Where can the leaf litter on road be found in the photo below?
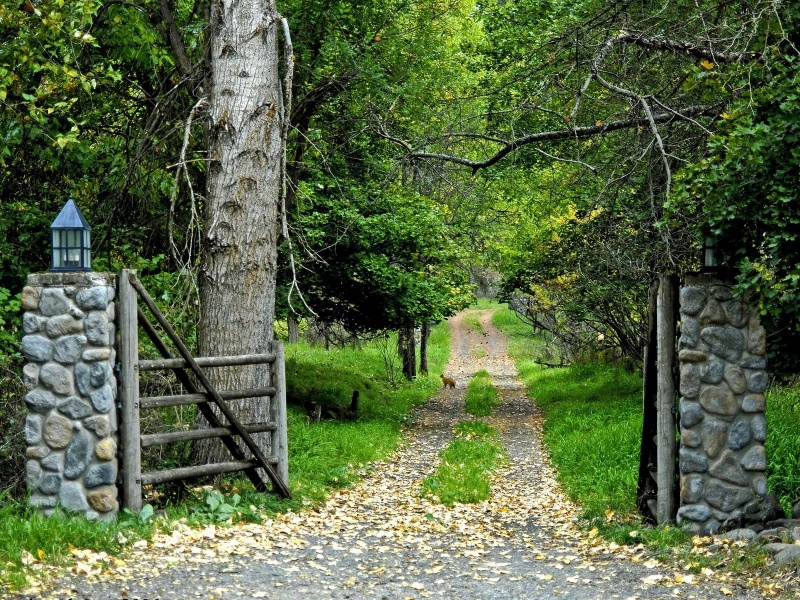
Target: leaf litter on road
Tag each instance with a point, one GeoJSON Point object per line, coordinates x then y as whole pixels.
{"type": "Point", "coordinates": [380, 537]}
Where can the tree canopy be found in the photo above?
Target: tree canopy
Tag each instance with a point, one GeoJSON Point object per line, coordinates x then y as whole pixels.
{"type": "Point", "coordinates": [576, 148]}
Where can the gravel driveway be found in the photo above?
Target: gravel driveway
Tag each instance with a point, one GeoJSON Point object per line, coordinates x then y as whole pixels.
{"type": "Point", "coordinates": [379, 539]}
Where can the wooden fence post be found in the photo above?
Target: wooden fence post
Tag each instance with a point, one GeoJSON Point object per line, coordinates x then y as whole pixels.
{"type": "Point", "coordinates": [129, 394]}
{"type": "Point", "coordinates": [666, 399]}
{"type": "Point", "coordinates": [280, 443]}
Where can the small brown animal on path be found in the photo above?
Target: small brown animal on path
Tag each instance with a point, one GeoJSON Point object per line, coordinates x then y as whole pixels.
{"type": "Point", "coordinates": [448, 381]}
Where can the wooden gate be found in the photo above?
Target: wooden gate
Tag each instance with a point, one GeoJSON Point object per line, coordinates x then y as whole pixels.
{"type": "Point", "coordinates": [200, 391]}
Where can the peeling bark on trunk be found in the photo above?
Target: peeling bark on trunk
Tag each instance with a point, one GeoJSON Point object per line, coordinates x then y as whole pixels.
{"type": "Point", "coordinates": [245, 150]}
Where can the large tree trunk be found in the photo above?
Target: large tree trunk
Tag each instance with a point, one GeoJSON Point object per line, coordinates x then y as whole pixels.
{"type": "Point", "coordinates": [245, 151]}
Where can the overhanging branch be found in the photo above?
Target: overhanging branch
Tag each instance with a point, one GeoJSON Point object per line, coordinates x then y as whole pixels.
{"type": "Point", "coordinates": [564, 134]}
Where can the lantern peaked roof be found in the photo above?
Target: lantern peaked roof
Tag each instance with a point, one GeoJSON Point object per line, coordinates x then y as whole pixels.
{"type": "Point", "coordinates": [70, 218]}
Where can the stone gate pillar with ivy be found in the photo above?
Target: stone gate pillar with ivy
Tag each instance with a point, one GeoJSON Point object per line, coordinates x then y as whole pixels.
{"type": "Point", "coordinates": [71, 427]}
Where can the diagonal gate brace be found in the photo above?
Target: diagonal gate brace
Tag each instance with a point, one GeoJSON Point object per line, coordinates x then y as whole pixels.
{"type": "Point", "coordinates": [280, 486]}
{"type": "Point", "coordinates": [210, 415]}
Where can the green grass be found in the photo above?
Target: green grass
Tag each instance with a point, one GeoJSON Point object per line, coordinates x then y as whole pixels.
{"type": "Point", "coordinates": [481, 395]}
{"type": "Point", "coordinates": [475, 428]}
{"type": "Point", "coordinates": [472, 322]}
{"type": "Point", "coordinates": [485, 304]}
{"type": "Point", "coordinates": [593, 429]}
{"type": "Point", "coordinates": [783, 444]}
{"type": "Point", "coordinates": [25, 535]}
{"type": "Point", "coordinates": [323, 456]}
{"type": "Point", "coordinates": [466, 465]}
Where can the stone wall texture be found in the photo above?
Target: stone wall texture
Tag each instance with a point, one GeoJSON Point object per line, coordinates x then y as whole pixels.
{"type": "Point", "coordinates": [70, 430]}
{"type": "Point", "coordinates": [723, 377]}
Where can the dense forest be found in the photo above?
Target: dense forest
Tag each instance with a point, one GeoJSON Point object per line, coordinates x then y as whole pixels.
{"type": "Point", "coordinates": [565, 151]}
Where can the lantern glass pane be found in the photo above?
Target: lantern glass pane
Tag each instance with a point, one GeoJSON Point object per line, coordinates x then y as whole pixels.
{"type": "Point", "coordinates": [74, 257]}
{"type": "Point", "coordinates": [709, 258]}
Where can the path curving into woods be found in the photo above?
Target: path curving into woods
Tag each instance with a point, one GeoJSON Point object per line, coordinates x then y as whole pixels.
{"type": "Point", "coordinates": [379, 539]}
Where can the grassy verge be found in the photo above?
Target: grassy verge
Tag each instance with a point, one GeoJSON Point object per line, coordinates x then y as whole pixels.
{"type": "Point", "coordinates": [464, 473]}
{"type": "Point", "coordinates": [481, 395]}
{"type": "Point", "coordinates": [783, 444]}
{"type": "Point", "coordinates": [322, 457]}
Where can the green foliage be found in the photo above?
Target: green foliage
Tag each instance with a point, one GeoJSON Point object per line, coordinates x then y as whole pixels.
{"type": "Point", "coordinates": [388, 260]}
{"type": "Point", "coordinates": [466, 464]}
{"type": "Point", "coordinates": [86, 113]}
{"type": "Point", "coordinates": [481, 396]}
{"type": "Point", "coordinates": [783, 444]}
{"type": "Point", "coordinates": [744, 193]}
{"type": "Point", "coordinates": [10, 330]}
{"type": "Point", "coordinates": [218, 508]}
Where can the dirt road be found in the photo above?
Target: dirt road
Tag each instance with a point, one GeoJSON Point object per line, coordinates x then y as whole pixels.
{"type": "Point", "coordinates": [379, 539]}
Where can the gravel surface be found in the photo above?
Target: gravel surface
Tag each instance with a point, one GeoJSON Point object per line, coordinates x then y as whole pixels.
{"type": "Point", "coordinates": [379, 539]}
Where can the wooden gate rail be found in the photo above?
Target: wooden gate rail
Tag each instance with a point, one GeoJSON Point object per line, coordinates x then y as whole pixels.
{"type": "Point", "coordinates": [184, 399]}
{"type": "Point", "coordinates": [210, 361]}
{"type": "Point", "coordinates": [276, 467]}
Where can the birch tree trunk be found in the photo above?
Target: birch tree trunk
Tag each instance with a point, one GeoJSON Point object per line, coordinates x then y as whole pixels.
{"type": "Point", "coordinates": [245, 150]}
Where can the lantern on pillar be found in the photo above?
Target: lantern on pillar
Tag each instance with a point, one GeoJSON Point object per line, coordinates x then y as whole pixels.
{"type": "Point", "coordinates": [709, 254]}
{"type": "Point", "coordinates": [71, 248]}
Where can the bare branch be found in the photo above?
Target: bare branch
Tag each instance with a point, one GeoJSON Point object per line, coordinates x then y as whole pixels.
{"type": "Point", "coordinates": [286, 115]}
{"type": "Point", "coordinates": [691, 49]}
{"type": "Point", "coordinates": [565, 134]}
{"type": "Point", "coordinates": [650, 119]}
{"type": "Point", "coordinates": [181, 166]}
{"type": "Point", "coordinates": [567, 160]}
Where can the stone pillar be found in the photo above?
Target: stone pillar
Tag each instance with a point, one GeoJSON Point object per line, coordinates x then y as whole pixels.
{"type": "Point", "coordinates": [723, 378]}
{"type": "Point", "coordinates": [71, 427]}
